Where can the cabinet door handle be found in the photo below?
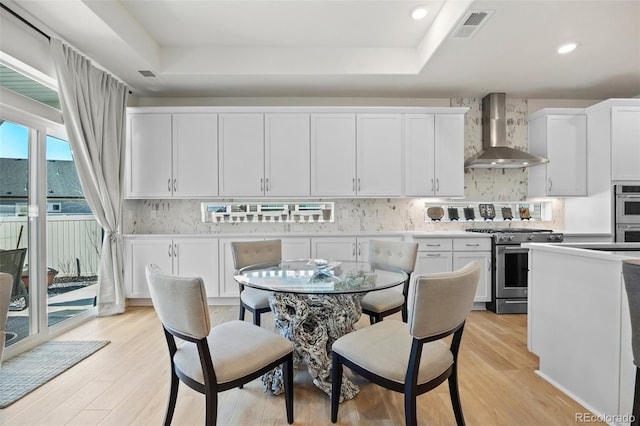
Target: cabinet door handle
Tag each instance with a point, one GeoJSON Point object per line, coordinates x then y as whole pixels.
{"type": "Point", "coordinates": [489, 265]}
{"type": "Point", "coordinates": [432, 245]}
{"type": "Point", "coordinates": [175, 185]}
{"type": "Point", "coordinates": [358, 184]}
{"type": "Point", "coordinates": [432, 185]}
{"type": "Point", "coordinates": [169, 185]}
{"type": "Point", "coordinates": [433, 254]}
{"type": "Point", "coordinates": [353, 252]}
{"type": "Point", "coordinates": [359, 249]}
{"type": "Point", "coordinates": [472, 245]}
{"type": "Point", "coordinates": [261, 185]}
{"type": "Point", "coordinates": [175, 250]}
{"type": "Point", "coordinates": [353, 184]}
{"type": "Point", "coordinates": [437, 185]}
{"type": "Point", "coordinates": [170, 252]}
{"type": "Point", "coordinates": [550, 185]}
{"type": "Point", "coordinates": [267, 184]}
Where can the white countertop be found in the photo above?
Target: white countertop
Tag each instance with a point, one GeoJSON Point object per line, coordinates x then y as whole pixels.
{"type": "Point", "coordinates": [610, 251]}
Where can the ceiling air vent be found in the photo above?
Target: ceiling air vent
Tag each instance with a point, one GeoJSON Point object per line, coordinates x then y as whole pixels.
{"type": "Point", "coordinates": [471, 23]}
{"type": "Point", "coordinates": [146, 73]}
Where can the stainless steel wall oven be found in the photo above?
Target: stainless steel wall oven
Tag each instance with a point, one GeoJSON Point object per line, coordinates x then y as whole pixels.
{"type": "Point", "coordinates": [627, 213]}
{"type": "Point", "coordinates": [509, 280]}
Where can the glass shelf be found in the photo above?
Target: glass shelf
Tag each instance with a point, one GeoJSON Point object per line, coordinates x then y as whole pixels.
{"type": "Point", "coordinates": [268, 212]}
{"type": "Point", "coordinates": [487, 212]}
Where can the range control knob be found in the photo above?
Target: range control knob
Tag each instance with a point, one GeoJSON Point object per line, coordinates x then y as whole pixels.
{"type": "Point", "coordinates": [510, 237]}
{"type": "Point", "coordinates": [551, 238]}
{"type": "Point", "coordinates": [530, 237]}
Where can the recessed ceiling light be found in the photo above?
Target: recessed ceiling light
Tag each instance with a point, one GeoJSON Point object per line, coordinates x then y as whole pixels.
{"type": "Point", "coordinates": [566, 48]}
{"type": "Point", "coordinates": [419, 13]}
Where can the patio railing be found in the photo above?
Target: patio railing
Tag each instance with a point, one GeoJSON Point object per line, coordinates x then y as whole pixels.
{"type": "Point", "coordinates": [72, 242]}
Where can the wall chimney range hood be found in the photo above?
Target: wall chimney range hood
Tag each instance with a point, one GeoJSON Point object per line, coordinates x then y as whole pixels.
{"type": "Point", "coordinates": [495, 153]}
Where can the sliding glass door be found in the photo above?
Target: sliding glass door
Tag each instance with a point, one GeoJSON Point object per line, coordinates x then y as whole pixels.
{"type": "Point", "coordinates": [74, 238]}
{"type": "Point", "coordinates": [43, 212]}
{"type": "Point", "coordinates": [14, 226]}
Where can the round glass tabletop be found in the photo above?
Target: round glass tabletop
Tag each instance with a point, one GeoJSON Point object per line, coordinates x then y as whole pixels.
{"type": "Point", "coordinates": [317, 276]}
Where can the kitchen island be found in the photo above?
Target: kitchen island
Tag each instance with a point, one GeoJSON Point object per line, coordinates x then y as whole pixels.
{"type": "Point", "coordinates": [579, 326]}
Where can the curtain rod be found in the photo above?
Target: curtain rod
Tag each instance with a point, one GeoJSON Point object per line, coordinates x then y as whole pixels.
{"type": "Point", "coordinates": [29, 24]}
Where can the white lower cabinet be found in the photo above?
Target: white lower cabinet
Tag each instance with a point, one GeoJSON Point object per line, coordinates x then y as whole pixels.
{"type": "Point", "coordinates": [449, 254]}
{"type": "Point", "coordinates": [187, 257]}
{"type": "Point", "coordinates": [344, 248]}
{"type": "Point", "coordinates": [292, 248]}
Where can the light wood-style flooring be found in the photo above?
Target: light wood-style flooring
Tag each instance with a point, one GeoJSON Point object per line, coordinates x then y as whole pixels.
{"type": "Point", "coordinates": [126, 383]}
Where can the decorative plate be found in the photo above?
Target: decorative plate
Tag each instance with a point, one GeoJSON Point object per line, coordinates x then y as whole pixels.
{"type": "Point", "coordinates": [507, 214]}
{"type": "Point", "coordinates": [435, 213]}
{"type": "Point", "coordinates": [524, 213]}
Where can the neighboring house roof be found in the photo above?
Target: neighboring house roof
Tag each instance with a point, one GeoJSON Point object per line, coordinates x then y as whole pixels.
{"type": "Point", "coordinates": [62, 179]}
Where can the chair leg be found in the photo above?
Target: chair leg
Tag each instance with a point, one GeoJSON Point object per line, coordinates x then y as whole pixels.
{"type": "Point", "coordinates": [336, 386]}
{"type": "Point", "coordinates": [173, 397]}
{"type": "Point", "coordinates": [405, 315]}
{"type": "Point", "coordinates": [636, 401]}
{"type": "Point", "coordinates": [287, 376]}
{"type": "Point", "coordinates": [410, 410]}
{"type": "Point", "coordinates": [372, 320]}
{"type": "Point", "coordinates": [211, 407]}
{"type": "Point", "coordinates": [242, 311]}
{"type": "Point", "coordinates": [455, 396]}
{"type": "Point", "coordinates": [256, 318]}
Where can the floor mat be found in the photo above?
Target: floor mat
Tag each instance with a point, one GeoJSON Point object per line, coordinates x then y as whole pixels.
{"type": "Point", "coordinates": [28, 371]}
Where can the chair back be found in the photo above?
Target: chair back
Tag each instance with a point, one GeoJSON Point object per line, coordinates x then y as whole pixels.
{"type": "Point", "coordinates": [6, 283]}
{"type": "Point", "coordinates": [247, 253]}
{"type": "Point", "coordinates": [12, 262]}
{"type": "Point", "coordinates": [180, 302]}
{"type": "Point", "coordinates": [398, 254]}
{"type": "Point", "coordinates": [439, 303]}
{"type": "Point", "coordinates": [631, 273]}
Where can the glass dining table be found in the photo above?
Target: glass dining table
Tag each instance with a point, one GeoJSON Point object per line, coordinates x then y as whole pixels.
{"type": "Point", "coordinates": [314, 302]}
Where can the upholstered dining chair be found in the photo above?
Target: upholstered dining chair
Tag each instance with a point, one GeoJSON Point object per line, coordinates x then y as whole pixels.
{"type": "Point", "coordinates": [631, 274]}
{"type": "Point", "coordinates": [247, 253]}
{"type": "Point", "coordinates": [6, 284]}
{"type": "Point", "coordinates": [401, 255]}
{"type": "Point", "coordinates": [212, 360]}
{"type": "Point", "coordinates": [412, 358]}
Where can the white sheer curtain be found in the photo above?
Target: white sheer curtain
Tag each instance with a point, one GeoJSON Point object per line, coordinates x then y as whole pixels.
{"type": "Point", "coordinates": [94, 111]}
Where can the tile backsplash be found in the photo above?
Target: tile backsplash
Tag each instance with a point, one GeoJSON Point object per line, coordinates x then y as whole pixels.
{"type": "Point", "coordinates": [368, 215]}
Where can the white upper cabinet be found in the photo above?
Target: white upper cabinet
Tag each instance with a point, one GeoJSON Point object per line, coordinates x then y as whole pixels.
{"type": "Point", "coordinates": [419, 155]}
{"type": "Point", "coordinates": [241, 165]}
{"type": "Point", "coordinates": [434, 155]}
{"type": "Point", "coordinates": [264, 155]}
{"type": "Point", "coordinates": [195, 155]}
{"type": "Point", "coordinates": [149, 156]}
{"type": "Point", "coordinates": [356, 154]}
{"type": "Point", "coordinates": [287, 158]}
{"type": "Point", "coordinates": [449, 155]}
{"type": "Point", "coordinates": [172, 155]}
{"type": "Point", "coordinates": [379, 150]}
{"type": "Point", "coordinates": [625, 143]}
{"type": "Point", "coordinates": [560, 136]}
{"type": "Point", "coordinates": [333, 155]}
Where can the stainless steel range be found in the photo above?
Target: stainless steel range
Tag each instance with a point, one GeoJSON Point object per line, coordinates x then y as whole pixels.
{"type": "Point", "coordinates": [510, 262]}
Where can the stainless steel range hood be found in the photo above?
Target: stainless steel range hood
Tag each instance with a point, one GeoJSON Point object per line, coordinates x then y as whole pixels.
{"type": "Point", "coordinates": [495, 153]}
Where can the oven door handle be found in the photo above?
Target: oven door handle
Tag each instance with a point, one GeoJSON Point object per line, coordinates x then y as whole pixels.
{"type": "Point", "coordinates": [511, 250]}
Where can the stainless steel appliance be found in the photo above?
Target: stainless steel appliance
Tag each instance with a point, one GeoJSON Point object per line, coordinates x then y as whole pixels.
{"type": "Point", "coordinates": [509, 278]}
{"type": "Point", "coordinates": [627, 213]}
